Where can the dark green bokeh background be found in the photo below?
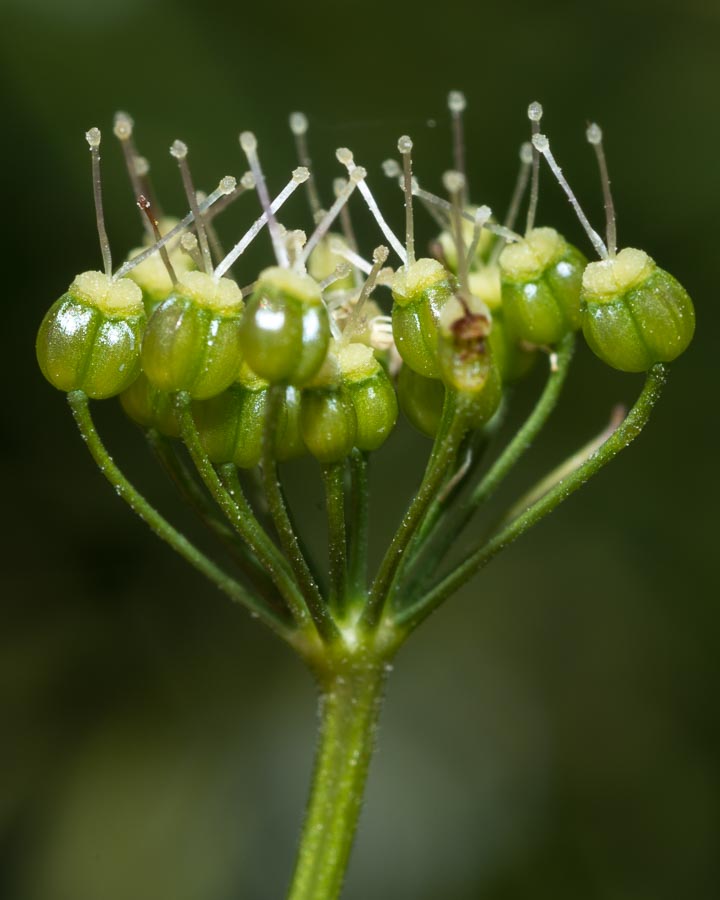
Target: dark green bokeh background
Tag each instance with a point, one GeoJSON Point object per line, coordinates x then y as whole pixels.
{"type": "Point", "coordinates": [553, 732]}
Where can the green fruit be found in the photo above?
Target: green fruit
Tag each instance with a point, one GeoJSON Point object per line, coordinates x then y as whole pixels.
{"type": "Point", "coordinates": [372, 395]}
{"type": "Point", "coordinates": [289, 443]}
{"type": "Point", "coordinates": [466, 362]}
{"type": "Point", "coordinates": [192, 340]}
{"type": "Point", "coordinates": [90, 338]}
{"type": "Point", "coordinates": [514, 360]}
{"type": "Point", "coordinates": [231, 425]}
{"type": "Point", "coordinates": [634, 313]}
{"type": "Point", "coordinates": [286, 329]}
{"type": "Point", "coordinates": [540, 279]}
{"type": "Point", "coordinates": [150, 407]}
{"type": "Point", "coordinates": [327, 415]}
{"type": "Point", "coordinates": [421, 400]}
{"type": "Point", "coordinates": [420, 292]}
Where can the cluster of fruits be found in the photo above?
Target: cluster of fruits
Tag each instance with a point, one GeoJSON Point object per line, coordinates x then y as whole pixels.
{"type": "Point", "coordinates": [467, 320]}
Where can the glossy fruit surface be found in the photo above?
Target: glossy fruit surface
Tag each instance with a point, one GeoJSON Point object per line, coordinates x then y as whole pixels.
{"type": "Point", "coordinates": [192, 340]}
{"type": "Point", "coordinates": [231, 424]}
{"type": "Point", "coordinates": [514, 358]}
{"type": "Point", "coordinates": [286, 330]}
{"type": "Point", "coordinates": [372, 395]}
{"type": "Point", "coordinates": [421, 400]}
{"type": "Point", "coordinates": [90, 338]}
{"type": "Point", "coordinates": [635, 314]}
{"type": "Point", "coordinates": [150, 407]}
{"type": "Point", "coordinates": [327, 415]}
{"type": "Point", "coordinates": [420, 292]}
{"type": "Point", "coordinates": [540, 279]}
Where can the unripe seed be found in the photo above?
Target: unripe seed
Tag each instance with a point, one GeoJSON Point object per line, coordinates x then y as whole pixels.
{"type": "Point", "coordinates": [466, 362]}
{"type": "Point", "coordinates": [634, 313]}
{"type": "Point", "coordinates": [231, 425]}
{"type": "Point", "coordinates": [90, 338]}
{"type": "Point", "coordinates": [327, 415]}
{"type": "Point", "coordinates": [285, 331]}
{"type": "Point", "coordinates": [328, 422]}
{"type": "Point", "coordinates": [372, 394]}
{"type": "Point", "coordinates": [289, 442]}
{"type": "Point", "coordinates": [192, 341]}
{"type": "Point", "coordinates": [421, 400]}
{"type": "Point", "coordinates": [514, 361]}
{"type": "Point", "coordinates": [541, 277]}
{"type": "Point", "coordinates": [150, 407]}
{"type": "Point", "coordinates": [420, 291]}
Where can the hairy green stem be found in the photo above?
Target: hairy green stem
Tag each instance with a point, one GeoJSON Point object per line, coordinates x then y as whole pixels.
{"type": "Point", "coordinates": [422, 557]}
{"type": "Point", "coordinates": [334, 478]}
{"type": "Point", "coordinates": [81, 411]}
{"type": "Point", "coordinates": [282, 522]}
{"type": "Point", "coordinates": [450, 434]}
{"type": "Point", "coordinates": [358, 524]}
{"type": "Point", "coordinates": [625, 433]}
{"type": "Point", "coordinates": [241, 517]}
{"type": "Point", "coordinates": [448, 527]}
{"type": "Point", "coordinates": [350, 701]}
{"type": "Point", "coordinates": [166, 452]}
{"type": "Point", "coordinates": [530, 429]}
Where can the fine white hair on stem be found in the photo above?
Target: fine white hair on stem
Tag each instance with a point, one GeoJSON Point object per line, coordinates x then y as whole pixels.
{"type": "Point", "coordinates": [299, 176]}
{"type": "Point", "coordinates": [542, 145]}
{"type": "Point", "coordinates": [594, 136]}
{"type": "Point", "coordinates": [345, 157]}
{"type": "Point", "coordinates": [248, 142]}
{"type": "Point", "coordinates": [357, 175]}
{"type": "Point", "coordinates": [570, 465]}
{"type": "Point", "coordinates": [405, 146]}
{"type": "Point", "coordinates": [180, 151]}
{"type": "Point", "coordinates": [354, 320]}
{"type": "Point", "coordinates": [299, 128]}
{"type": "Point", "coordinates": [456, 104]}
{"type": "Point", "coordinates": [93, 137]}
{"type": "Point", "coordinates": [535, 114]}
{"type": "Point", "coordinates": [226, 186]}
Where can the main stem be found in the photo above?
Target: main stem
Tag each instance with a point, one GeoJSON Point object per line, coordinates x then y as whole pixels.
{"type": "Point", "coordinates": [350, 701]}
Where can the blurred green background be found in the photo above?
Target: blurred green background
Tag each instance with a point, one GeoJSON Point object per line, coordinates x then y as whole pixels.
{"type": "Point", "coordinates": [551, 733]}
